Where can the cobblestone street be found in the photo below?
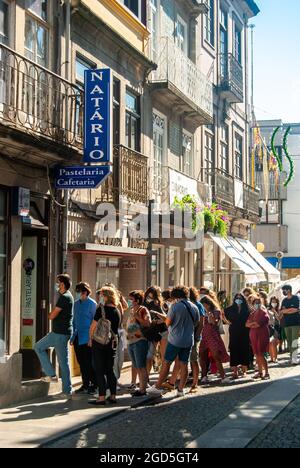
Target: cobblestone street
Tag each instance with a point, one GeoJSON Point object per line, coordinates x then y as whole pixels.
{"type": "Point", "coordinates": [171, 422]}
{"type": "Point", "coordinates": [283, 432]}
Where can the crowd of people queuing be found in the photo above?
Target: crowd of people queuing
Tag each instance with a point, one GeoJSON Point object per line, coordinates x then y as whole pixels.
{"type": "Point", "coordinates": [197, 330]}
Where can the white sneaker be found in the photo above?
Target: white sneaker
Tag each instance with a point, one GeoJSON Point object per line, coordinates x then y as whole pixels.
{"type": "Point", "coordinates": [226, 381]}
{"type": "Point", "coordinates": [48, 379]}
{"type": "Point", "coordinates": [154, 391]}
{"type": "Point", "coordinates": [295, 362]}
{"type": "Point", "coordinates": [180, 393]}
{"type": "Point", "coordinates": [205, 380]}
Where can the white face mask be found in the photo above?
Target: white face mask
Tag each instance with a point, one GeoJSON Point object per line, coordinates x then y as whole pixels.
{"type": "Point", "coordinates": [274, 305]}
{"type": "Point", "coordinates": [102, 301]}
{"type": "Point", "coordinates": [57, 288]}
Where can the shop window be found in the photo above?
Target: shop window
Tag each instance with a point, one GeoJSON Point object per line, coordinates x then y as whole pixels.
{"type": "Point", "coordinates": [108, 271]}
{"type": "Point", "coordinates": [208, 264]}
{"type": "Point", "coordinates": [156, 264]}
{"type": "Point", "coordinates": [173, 259]}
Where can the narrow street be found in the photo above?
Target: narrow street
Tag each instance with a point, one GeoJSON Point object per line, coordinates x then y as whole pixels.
{"type": "Point", "coordinates": [170, 422]}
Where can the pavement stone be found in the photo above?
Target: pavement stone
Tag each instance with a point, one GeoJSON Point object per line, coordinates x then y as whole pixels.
{"type": "Point", "coordinates": [282, 432]}
{"type": "Point", "coordinates": [172, 422]}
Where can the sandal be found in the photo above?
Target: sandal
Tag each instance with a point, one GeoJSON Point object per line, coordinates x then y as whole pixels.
{"type": "Point", "coordinates": [194, 389]}
{"type": "Point", "coordinates": [266, 377]}
{"type": "Point", "coordinates": [257, 376]}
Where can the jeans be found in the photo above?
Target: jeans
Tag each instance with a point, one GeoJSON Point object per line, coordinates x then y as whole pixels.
{"type": "Point", "coordinates": [60, 344]}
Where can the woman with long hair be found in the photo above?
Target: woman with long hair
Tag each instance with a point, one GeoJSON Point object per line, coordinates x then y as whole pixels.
{"type": "Point", "coordinates": [239, 342]}
{"type": "Point", "coordinates": [154, 303]}
{"type": "Point", "coordinates": [138, 344]}
{"type": "Point", "coordinates": [211, 340]}
{"type": "Point", "coordinates": [104, 355]}
{"type": "Point", "coordinates": [276, 334]}
{"type": "Point", "coordinates": [258, 323]}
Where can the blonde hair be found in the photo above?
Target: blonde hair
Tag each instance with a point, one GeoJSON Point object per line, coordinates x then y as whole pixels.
{"type": "Point", "coordinates": [111, 295]}
{"type": "Point", "coordinates": [254, 297]}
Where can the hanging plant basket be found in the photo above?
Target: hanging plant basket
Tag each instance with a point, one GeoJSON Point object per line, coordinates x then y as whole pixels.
{"type": "Point", "coordinates": [211, 217]}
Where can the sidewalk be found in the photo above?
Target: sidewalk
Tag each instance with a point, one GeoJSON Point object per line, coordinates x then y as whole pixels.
{"type": "Point", "coordinates": [241, 427]}
{"type": "Point", "coordinates": [32, 424]}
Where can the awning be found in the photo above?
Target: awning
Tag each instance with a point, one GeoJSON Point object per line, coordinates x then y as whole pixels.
{"type": "Point", "coordinates": [273, 274]}
{"type": "Point", "coordinates": [288, 263]}
{"type": "Point", "coordinates": [230, 246]}
{"type": "Point", "coordinates": [106, 249]}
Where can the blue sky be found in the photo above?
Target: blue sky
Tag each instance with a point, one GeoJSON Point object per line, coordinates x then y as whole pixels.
{"type": "Point", "coordinates": [277, 60]}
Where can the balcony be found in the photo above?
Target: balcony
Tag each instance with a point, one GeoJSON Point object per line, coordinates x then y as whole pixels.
{"type": "Point", "coordinates": [233, 194]}
{"type": "Point", "coordinates": [181, 84]}
{"type": "Point", "coordinates": [231, 80]}
{"type": "Point", "coordinates": [251, 200]}
{"type": "Point", "coordinates": [129, 179]}
{"type": "Point", "coordinates": [223, 188]}
{"type": "Point", "coordinates": [277, 190]}
{"type": "Point", "coordinates": [273, 236]}
{"type": "Point", "coordinates": [35, 101]}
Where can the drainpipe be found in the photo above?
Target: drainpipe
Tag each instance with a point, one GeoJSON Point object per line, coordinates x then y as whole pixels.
{"type": "Point", "coordinates": [65, 233]}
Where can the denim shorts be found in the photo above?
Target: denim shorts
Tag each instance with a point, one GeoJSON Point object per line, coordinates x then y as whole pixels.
{"type": "Point", "coordinates": [138, 354]}
{"type": "Point", "coordinates": [172, 352]}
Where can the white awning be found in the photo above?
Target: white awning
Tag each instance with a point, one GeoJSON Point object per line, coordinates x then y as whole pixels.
{"type": "Point", "coordinates": [272, 273]}
{"type": "Point", "coordinates": [230, 246]}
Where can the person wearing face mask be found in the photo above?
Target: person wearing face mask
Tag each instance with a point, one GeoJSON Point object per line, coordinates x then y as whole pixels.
{"type": "Point", "coordinates": [61, 317]}
{"type": "Point", "coordinates": [84, 312]}
{"type": "Point", "coordinates": [258, 323]}
{"type": "Point", "coordinates": [275, 328]}
{"type": "Point", "coordinates": [239, 342]}
{"type": "Point", "coordinates": [290, 308]}
{"type": "Point", "coordinates": [154, 303]}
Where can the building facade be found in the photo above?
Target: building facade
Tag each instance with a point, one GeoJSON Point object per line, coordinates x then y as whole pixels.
{"type": "Point", "coordinates": [279, 227]}
{"type": "Point", "coordinates": [180, 127]}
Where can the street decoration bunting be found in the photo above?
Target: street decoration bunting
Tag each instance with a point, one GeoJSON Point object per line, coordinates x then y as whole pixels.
{"type": "Point", "coordinates": [286, 151]}
{"type": "Point", "coordinates": [291, 161]}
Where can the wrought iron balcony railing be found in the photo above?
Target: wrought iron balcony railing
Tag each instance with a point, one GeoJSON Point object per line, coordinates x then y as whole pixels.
{"type": "Point", "coordinates": [224, 192]}
{"type": "Point", "coordinates": [223, 188]}
{"type": "Point", "coordinates": [231, 78]}
{"type": "Point", "coordinates": [175, 67]}
{"type": "Point", "coordinates": [35, 100]}
{"type": "Point", "coordinates": [129, 179]}
{"type": "Point", "coordinates": [251, 199]}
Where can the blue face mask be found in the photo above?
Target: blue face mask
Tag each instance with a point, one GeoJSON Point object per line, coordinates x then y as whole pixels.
{"type": "Point", "coordinates": [239, 301]}
{"type": "Point", "coordinates": [256, 306]}
{"type": "Point", "coordinates": [129, 302]}
{"type": "Point", "coordinates": [77, 296]}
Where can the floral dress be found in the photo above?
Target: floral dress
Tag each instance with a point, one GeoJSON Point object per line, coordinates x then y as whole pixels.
{"type": "Point", "coordinates": [211, 339]}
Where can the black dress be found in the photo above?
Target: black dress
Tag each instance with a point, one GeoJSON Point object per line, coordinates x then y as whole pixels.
{"type": "Point", "coordinates": [239, 340]}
